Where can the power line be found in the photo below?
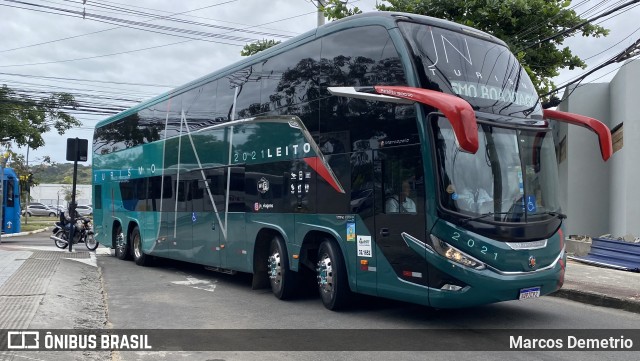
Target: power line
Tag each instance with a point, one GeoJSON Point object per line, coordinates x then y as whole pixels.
{"type": "Point", "coordinates": [171, 14]}
{"type": "Point", "coordinates": [144, 26]}
{"type": "Point", "coordinates": [632, 51]}
{"type": "Point", "coordinates": [95, 56]}
{"type": "Point", "coordinates": [573, 28]}
{"type": "Point", "coordinates": [612, 46]}
{"type": "Point", "coordinates": [532, 29]}
{"type": "Point", "coordinates": [89, 80]}
{"type": "Point", "coordinates": [202, 17]}
{"type": "Point", "coordinates": [190, 22]}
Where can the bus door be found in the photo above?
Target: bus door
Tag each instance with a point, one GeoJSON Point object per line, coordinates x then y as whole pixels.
{"type": "Point", "coordinates": [363, 188]}
{"type": "Point", "coordinates": [399, 216]}
{"type": "Point", "coordinates": [207, 225]}
{"type": "Point", "coordinates": [183, 218]}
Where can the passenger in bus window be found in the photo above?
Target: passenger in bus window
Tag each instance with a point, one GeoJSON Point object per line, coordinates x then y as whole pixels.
{"type": "Point", "coordinates": [401, 203]}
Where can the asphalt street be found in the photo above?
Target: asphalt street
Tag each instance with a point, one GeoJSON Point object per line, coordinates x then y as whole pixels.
{"type": "Point", "coordinates": [176, 295]}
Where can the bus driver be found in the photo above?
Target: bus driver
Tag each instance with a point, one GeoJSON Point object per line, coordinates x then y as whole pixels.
{"type": "Point", "coordinates": [401, 203]}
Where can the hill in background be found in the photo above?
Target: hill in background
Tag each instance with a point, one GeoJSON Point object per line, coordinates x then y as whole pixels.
{"type": "Point", "coordinates": [60, 173]}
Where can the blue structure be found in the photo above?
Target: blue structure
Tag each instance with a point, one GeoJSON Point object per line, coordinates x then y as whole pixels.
{"type": "Point", "coordinates": [10, 202]}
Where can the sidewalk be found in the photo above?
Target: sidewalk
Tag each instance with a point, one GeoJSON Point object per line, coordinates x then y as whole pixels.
{"type": "Point", "coordinates": [601, 286]}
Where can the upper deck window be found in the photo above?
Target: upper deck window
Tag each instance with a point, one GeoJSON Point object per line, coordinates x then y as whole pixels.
{"type": "Point", "coordinates": [482, 72]}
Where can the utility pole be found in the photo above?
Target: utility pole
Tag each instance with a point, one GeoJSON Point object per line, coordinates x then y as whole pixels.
{"type": "Point", "coordinates": [76, 151]}
{"type": "Point", "coordinates": [28, 182]}
{"type": "Point", "coordinates": [321, 3]}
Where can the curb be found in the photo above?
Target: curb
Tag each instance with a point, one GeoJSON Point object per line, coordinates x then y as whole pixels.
{"type": "Point", "coordinates": [597, 299]}
{"type": "Point", "coordinates": [23, 233]}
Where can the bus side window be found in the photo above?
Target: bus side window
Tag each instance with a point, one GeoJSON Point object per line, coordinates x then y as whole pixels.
{"type": "Point", "coordinates": [97, 195]}
{"type": "Point", "coordinates": [402, 182]}
{"type": "Point", "coordinates": [10, 194]}
{"type": "Point", "coordinates": [217, 180]}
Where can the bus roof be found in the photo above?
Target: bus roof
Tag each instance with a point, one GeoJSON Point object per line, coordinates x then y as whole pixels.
{"type": "Point", "coordinates": [9, 172]}
{"type": "Point", "coordinates": [383, 18]}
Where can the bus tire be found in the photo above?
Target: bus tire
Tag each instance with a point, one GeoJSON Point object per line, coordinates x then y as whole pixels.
{"type": "Point", "coordinates": [139, 257]}
{"type": "Point", "coordinates": [332, 277]}
{"type": "Point", "coordinates": [120, 243]}
{"type": "Point", "coordinates": [281, 278]}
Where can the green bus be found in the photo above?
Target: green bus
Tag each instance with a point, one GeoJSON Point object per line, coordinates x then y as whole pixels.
{"type": "Point", "coordinates": [386, 154]}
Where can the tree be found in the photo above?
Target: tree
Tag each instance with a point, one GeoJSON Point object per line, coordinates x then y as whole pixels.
{"type": "Point", "coordinates": [337, 9]}
{"type": "Point", "coordinates": [24, 119]}
{"type": "Point", "coordinates": [258, 46]}
{"type": "Point", "coordinates": [520, 23]}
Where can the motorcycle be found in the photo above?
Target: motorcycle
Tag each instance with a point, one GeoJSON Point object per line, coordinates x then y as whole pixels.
{"type": "Point", "coordinates": [83, 233]}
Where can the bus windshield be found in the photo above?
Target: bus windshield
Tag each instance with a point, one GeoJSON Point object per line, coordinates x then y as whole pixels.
{"type": "Point", "coordinates": [513, 176]}
{"type": "Point", "coordinates": [482, 72]}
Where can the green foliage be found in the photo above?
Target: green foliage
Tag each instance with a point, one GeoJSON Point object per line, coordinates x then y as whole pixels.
{"type": "Point", "coordinates": [336, 9]}
{"type": "Point", "coordinates": [60, 173]}
{"type": "Point", "coordinates": [258, 46]}
{"type": "Point", "coordinates": [520, 23]}
{"type": "Point", "coordinates": [24, 120]}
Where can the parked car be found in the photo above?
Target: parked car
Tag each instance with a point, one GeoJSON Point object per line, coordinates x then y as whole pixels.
{"type": "Point", "coordinates": [84, 210]}
{"type": "Point", "coordinates": [60, 208]}
{"type": "Point", "coordinates": [39, 209]}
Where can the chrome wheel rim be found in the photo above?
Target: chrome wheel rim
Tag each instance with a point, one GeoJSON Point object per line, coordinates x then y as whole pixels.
{"type": "Point", "coordinates": [275, 269]}
{"type": "Point", "coordinates": [120, 243]}
{"type": "Point", "coordinates": [136, 247]}
{"type": "Point", "coordinates": [325, 274]}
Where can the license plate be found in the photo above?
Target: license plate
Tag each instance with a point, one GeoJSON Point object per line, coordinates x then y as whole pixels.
{"type": "Point", "coordinates": [531, 292]}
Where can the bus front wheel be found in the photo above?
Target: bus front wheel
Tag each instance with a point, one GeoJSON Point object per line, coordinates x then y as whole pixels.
{"type": "Point", "coordinates": [332, 276]}
{"type": "Point", "coordinates": [281, 278]}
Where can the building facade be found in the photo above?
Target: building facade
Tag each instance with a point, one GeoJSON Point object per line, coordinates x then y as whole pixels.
{"type": "Point", "coordinates": [53, 194]}
{"type": "Point", "coordinates": [602, 197]}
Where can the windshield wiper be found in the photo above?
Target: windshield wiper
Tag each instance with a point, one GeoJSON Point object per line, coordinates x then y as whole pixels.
{"type": "Point", "coordinates": [489, 214]}
{"type": "Point", "coordinates": [553, 214]}
{"type": "Point", "coordinates": [483, 215]}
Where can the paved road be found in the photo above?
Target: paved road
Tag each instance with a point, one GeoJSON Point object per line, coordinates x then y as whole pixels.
{"type": "Point", "coordinates": [175, 295]}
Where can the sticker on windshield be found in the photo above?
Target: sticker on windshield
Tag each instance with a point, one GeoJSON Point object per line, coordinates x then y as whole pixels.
{"type": "Point", "coordinates": [454, 196]}
{"type": "Point", "coordinates": [531, 204]}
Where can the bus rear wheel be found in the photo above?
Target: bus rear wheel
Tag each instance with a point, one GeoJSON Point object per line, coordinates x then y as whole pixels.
{"type": "Point", "coordinates": [332, 277]}
{"type": "Point", "coordinates": [139, 257]}
{"type": "Point", "coordinates": [120, 243]}
{"type": "Point", "coordinates": [281, 278]}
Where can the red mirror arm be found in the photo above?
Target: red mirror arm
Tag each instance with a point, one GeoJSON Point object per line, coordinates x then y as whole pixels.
{"type": "Point", "coordinates": [594, 125]}
{"type": "Point", "coordinates": [457, 110]}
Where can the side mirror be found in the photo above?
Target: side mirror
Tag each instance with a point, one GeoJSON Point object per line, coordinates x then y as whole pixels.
{"type": "Point", "coordinates": [457, 110]}
{"type": "Point", "coordinates": [594, 125]}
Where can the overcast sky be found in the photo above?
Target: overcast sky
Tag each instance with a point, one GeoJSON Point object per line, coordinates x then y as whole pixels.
{"type": "Point", "coordinates": [146, 73]}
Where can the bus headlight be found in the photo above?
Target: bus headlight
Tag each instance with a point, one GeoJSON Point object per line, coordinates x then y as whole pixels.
{"type": "Point", "coordinates": [450, 252]}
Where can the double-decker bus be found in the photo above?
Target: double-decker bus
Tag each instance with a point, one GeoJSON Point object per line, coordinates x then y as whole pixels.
{"type": "Point", "coordinates": [386, 154]}
{"type": "Point", "coordinates": [10, 201]}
